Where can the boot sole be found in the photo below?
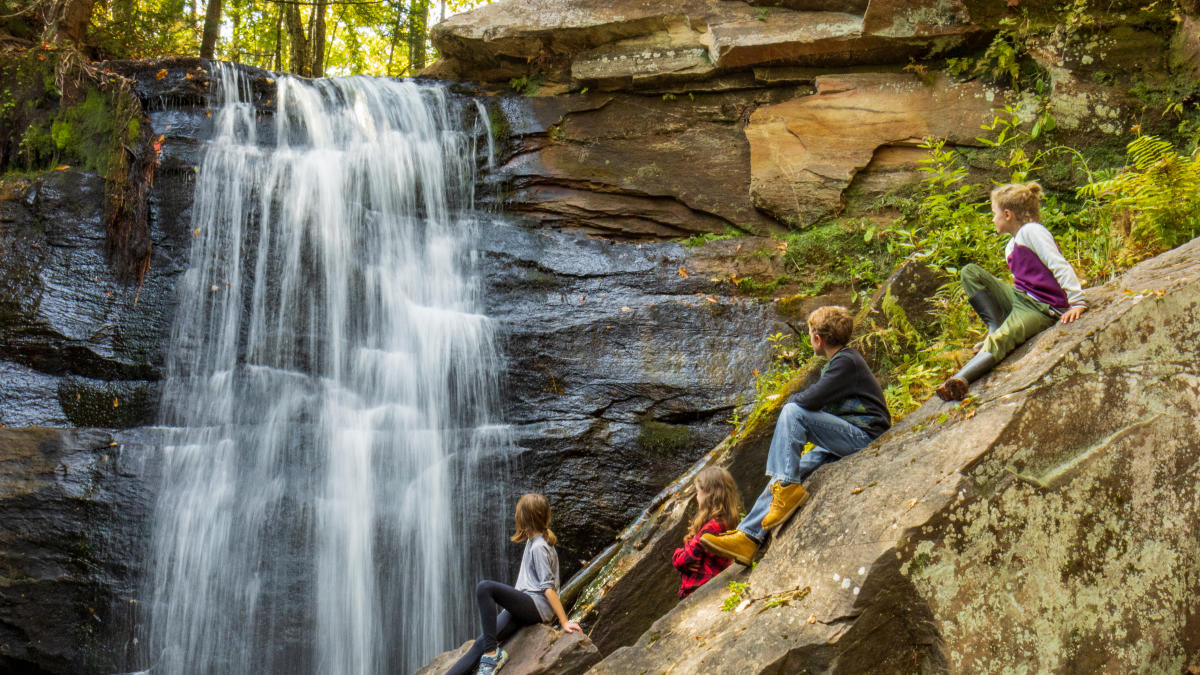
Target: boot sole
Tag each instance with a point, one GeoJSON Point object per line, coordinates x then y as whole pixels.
{"type": "Point", "coordinates": [787, 516]}
{"type": "Point", "coordinates": [737, 557]}
{"type": "Point", "coordinates": [953, 390]}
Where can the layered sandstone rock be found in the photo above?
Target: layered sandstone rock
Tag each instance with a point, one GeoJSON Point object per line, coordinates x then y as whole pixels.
{"type": "Point", "coordinates": [1050, 523]}
{"type": "Point", "coordinates": [806, 151]}
{"type": "Point", "coordinates": [631, 42]}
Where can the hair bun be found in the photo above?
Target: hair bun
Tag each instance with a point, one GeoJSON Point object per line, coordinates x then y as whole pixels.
{"type": "Point", "coordinates": [1034, 189]}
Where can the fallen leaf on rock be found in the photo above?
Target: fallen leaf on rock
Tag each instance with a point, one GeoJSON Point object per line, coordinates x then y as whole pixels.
{"type": "Point", "coordinates": [710, 298]}
{"type": "Point", "coordinates": [62, 167]}
{"type": "Point", "coordinates": [160, 74]}
{"type": "Point", "coordinates": [625, 309]}
{"type": "Point", "coordinates": [812, 618]}
{"type": "Point", "coordinates": [683, 273]}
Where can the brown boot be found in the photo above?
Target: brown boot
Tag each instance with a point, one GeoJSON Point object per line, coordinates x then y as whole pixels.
{"type": "Point", "coordinates": [732, 544]}
{"type": "Point", "coordinates": [785, 500]}
{"type": "Point", "coordinates": [953, 389]}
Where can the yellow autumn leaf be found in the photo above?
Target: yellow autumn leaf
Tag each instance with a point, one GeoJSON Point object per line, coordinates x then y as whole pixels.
{"type": "Point", "coordinates": [160, 74]}
{"type": "Point", "coordinates": [62, 167]}
{"type": "Point", "coordinates": [683, 273]}
{"type": "Point", "coordinates": [115, 402]}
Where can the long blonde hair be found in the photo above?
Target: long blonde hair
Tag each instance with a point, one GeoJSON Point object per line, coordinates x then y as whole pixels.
{"type": "Point", "coordinates": [723, 502]}
{"type": "Point", "coordinates": [1023, 199]}
{"type": "Point", "coordinates": [532, 517]}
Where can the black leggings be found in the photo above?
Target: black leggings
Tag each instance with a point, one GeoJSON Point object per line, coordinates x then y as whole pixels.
{"type": "Point", "coordinates": [519, 610]}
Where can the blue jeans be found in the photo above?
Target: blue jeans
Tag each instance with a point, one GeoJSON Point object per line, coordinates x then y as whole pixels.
{"type": "Point", "coordinates": [833, 438]}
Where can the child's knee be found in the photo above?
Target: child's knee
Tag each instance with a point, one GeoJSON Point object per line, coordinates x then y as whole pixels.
{"type": "Point", "coordinates": [793, 412]}
{"type": "Point", "coordinates": [970, 272]}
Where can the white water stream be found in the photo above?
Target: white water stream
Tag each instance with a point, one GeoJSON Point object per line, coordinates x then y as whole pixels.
{"type": "Point", "coordinates": [330, 390]}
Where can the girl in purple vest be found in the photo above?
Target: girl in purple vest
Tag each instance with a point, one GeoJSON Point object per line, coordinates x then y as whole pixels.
{"type": "Point", "coordinates": [1045, 288]}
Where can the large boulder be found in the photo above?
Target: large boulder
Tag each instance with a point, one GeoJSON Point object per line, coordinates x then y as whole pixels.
{"type": "Point", "coordinates": [534, 650]}
{"type": "Point", "coordinates": [1049, 523]}
{"type": "Point", "coordinates": [805, 152]}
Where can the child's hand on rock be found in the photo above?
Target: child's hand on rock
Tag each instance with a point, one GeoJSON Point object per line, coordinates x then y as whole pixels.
{"type": "Point", "coordinates": [1072, 314]}
{"type": "Point", "coordinates": [571, 627]}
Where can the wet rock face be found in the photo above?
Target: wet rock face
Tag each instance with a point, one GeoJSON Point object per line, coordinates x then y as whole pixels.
{"type": "Point", "coordinates": [75, 506]}
{"type": "Point", "coordinates": [621, 372]}
{"type": "Point", "coordinates": [78, 347]}
{"type": "Point", "coordinates": [1041, 526]}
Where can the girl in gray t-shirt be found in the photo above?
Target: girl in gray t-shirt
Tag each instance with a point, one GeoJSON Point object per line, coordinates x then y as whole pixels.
{"type": "Point", "coordinates": [533, 600]}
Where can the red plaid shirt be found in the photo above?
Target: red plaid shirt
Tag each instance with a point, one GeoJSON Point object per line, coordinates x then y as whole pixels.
{"type": "Point", "coordinates": [694, 561]}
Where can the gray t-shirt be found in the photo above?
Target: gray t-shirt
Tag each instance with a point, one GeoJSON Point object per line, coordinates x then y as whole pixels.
{"type": "Point", "coordinates": [539, 571]}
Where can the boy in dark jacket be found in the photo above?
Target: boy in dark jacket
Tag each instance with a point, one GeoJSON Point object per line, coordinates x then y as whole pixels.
{"type": "Point", "coordinates": [839, 414]}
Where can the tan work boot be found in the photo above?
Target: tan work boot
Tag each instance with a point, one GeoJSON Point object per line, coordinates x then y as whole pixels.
{"type": "Point", "coordinates": [732, 544]}
{"type": "Point", "coordinates": [785, 499]}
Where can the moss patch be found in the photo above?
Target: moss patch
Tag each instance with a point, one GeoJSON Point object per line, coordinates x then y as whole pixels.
{"type": "Point", "coordinates": [660, 438]}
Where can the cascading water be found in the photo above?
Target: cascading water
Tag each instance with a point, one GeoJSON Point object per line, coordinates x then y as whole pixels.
{"type": "Point", "coordinates": [329, 386]}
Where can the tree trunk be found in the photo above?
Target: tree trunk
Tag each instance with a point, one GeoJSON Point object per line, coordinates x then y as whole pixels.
{"type": "Point", "coordinates": [418, 18]}
{"type": "Point", "coordinates": [70, 21]}
{"type": "Point", "coordinates": [318, 39]}
{"type": "Point", "coordinates": [212, 26]}
{"type": "Point", "coordinates": [279, 40]}
{"type": "Point", "coordinates": [299, 64]}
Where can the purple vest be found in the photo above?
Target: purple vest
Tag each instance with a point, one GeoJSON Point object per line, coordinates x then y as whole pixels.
{"type": "Point", "coordinates": [1033, 278]}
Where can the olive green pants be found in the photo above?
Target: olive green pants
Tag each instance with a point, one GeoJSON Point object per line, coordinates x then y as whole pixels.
{"type": "Point", "coordinates": [1024, 317]}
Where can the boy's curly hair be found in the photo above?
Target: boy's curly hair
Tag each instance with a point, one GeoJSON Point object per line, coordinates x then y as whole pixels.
{"type": "Point", "coordinates": [833, 324]}
{"type": "Point", "coordinates": [1023, 199]}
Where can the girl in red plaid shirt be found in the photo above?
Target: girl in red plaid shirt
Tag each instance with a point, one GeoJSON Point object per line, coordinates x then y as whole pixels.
{"type": "Point", "coordinates": [718, 506]}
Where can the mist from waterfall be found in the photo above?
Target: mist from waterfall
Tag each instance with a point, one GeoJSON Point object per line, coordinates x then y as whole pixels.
{"type": "Point", "coordinates": [333, 475]}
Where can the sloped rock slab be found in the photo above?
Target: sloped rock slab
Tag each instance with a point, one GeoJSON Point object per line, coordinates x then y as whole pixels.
{"type": "Point", "coordinates": [1051, 524]}
{"type": "Point", "coordinates": [534, 650]}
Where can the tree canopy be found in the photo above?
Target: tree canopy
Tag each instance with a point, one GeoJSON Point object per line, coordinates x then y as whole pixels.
{"type": "Point", "coordinates": [305, 37]}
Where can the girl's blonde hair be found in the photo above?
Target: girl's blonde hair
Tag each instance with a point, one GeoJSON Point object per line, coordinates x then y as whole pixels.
{"type": "Point", "coordinates": [723, 502]}
{"type": "Point", "coordinates": [1023, 199]}
{"type": "Point", "coordinates": [533, 516]}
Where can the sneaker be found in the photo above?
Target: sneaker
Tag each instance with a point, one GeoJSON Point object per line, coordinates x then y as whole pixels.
{"type": "Point", "coordinates": [785, 500]}
{"type": "Point", "coordinates": [491, 664]}
{"type": "Point", "coordinates": [953, 389]}
{"type": "Point", "coordinates": [732, 544]}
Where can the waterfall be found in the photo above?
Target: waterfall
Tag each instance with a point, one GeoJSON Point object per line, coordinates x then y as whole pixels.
{"type": "Point", "coordinates": [333, 460]}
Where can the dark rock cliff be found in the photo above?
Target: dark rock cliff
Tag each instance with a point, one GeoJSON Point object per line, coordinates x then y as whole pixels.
{"type": "Point", "coordinates": [621, 371]}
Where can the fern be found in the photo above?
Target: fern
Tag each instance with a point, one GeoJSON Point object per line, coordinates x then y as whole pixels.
{"type": "Point", "coordinates": [1158, 193]}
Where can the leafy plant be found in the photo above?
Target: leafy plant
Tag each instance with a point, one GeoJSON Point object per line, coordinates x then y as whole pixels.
{"type": "Point", "coordinates": [1157, 194]}
{"type": "Point", "coordinates": [738, 590]}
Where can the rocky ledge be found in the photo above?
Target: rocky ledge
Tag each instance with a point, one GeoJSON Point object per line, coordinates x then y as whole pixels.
{"type": "Point", "coordinates": [1050, 522]}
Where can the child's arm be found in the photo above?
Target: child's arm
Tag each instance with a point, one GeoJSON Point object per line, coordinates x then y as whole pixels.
{"type": "Point", "coordinates": [687, 559]}
{"type": "Point", "coordinates": [556, 605]}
